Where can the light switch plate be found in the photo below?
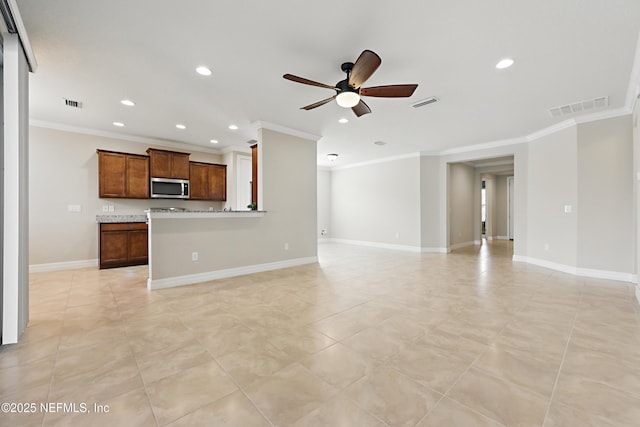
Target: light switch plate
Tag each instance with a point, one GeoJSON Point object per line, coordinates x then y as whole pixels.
{"type": "Point", "coordinates": [112, 208]}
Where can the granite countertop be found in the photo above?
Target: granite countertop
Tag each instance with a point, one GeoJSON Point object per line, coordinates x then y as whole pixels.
{"type": "Point", "coordinates": [185, 214]}
{"type": "Point", "coordinates": [121, 218]}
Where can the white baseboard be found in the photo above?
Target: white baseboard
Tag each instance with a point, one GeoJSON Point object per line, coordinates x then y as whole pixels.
{"type": "Point", "coordinates": [434, 250]}
{"type": "Point", "coordinates": [405, 248]}
{"type": "Point", "coordinates": [191, 279]}
{"type": "Point", "coordinates": [67, 265]}
{"type": "Point", "coordinates": [575, 271]}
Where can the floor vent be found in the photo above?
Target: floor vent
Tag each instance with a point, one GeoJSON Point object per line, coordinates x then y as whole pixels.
{"type": "Point", "coordinates": [579, 107]}
{"type": "Point", "coordinates": [424, 102]}
{"type": "Point", "coordinates": [71, 103]}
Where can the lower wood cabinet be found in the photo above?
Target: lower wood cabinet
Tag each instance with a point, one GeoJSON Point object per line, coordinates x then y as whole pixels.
{"type": "Point", "coordinates": [123, 244]}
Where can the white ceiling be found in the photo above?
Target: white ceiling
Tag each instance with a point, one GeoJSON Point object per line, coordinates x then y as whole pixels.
{"type": "Point", "coordinates": [100, 52]}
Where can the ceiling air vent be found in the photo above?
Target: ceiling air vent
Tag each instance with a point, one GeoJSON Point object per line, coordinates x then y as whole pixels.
{"type": "Point", "coordinates": [71, 103]}
{"type": "Point", "coordinates": [424, 102]}
{"type": "Point", "coordinates": [579, 107]}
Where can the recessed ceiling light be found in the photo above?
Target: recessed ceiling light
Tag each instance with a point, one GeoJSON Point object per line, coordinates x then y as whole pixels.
{"type": "Point", "coordinates": [343, 120]}
{"type": "Point", "coordinates": [504, 63]}
{"type": "Point", "coordinates": [203, 70]}
{"type": "Point", "coordinates": [233, 127]}
{"type": "Point", "coordinates": [181, 126]}
{"type": "Point", "coordinates": [119, 124]}
{"type": "Point", "coordinates": [127, 102]}
{"type": "Point", "coordinates": [213, 141]}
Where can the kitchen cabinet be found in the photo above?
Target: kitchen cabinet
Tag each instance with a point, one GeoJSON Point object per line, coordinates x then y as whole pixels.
{"type": "Point", "coordinates": [168, 164]}
{"type": "Point", "coordinates": [207, 181]}
{"type": "Point", "coordinates": [123, 175]}
{"type": "Point", "coordinates": [123, 244]}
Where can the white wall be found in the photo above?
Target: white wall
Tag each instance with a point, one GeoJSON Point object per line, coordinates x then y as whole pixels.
{"type": "Point", "coordinates": [432, 187]}
{"type": "Point", "coordinates": [461, 205]}
{"type": "Point", "coordinates": [501, 213]}
{"type": "Point", "coordinates": [553, 173]}
{"type": "Point", "coordinates": [605, 195]}
{"type": "Point", "coordinates": [324, 204]}
{"type": "Point", "coordinates": [64, 171]}
{"type": "Point", "coordinates": [378, 203]}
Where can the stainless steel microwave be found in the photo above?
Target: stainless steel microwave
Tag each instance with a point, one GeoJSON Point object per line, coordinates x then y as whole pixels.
{"type": "Point", "coordinates": [166, 188]}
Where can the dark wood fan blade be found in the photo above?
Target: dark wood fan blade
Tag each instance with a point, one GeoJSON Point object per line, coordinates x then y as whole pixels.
{"type": "Point", "coordinates": [318, 104]}
{"type": "Point", "coordinates": [366, 64]}
{"type": "Point", "coordinates": [389, 91]}
{"type": "Point", "coordinates": [306, 81]}
{"type": "Point", "coordinates": [361, 109]}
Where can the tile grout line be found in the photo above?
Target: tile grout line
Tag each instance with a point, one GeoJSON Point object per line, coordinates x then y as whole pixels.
{"type": "Point", "coordinates": [564, 355]}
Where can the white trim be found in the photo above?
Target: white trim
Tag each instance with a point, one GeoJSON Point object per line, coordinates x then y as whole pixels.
{"type": "Point", "coordinates": [122, 137]}
{"type": "Point", "coordinates": [481, 146]}
{"type": "Point", "coordinates": [376, 161]}
{"type": "Point", "coordinates": [391, 246]}
{"type": "Point", "coordinates": [191, 279]}
{"type": "Point", "coordinates": [462, 245]}
{"type": "Point", "coordinates": [638, 293]}
{"type": "Point", "coordinates": [23, 36]}
{"type": "Point", "coordinates": [67, 265]}
{"type": "Point", "coordinates": [575, 271]}
{"type": "Point", "coordinates": [551, 130]}
{"type": "Point", "coordinates": [634, 80]}
{"type": "Point", "coordinates": [284, 129]}
{"type": "Point", "coordinates": [602, 115]}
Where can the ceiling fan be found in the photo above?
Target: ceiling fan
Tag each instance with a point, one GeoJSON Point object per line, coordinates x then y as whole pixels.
{"type": "Point", "coordinates": [349, 90]}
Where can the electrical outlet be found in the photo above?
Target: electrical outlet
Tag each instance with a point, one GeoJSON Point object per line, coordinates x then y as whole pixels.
{"type": "Point", "coordinates": [105, 208]}
{"type": "Point", "coordinates": [323, 232]}
{"type": "Point", "coordinates": [194, 256]}
{"type": "Point", "coordinates": [397, 235]}
{"type": "Point", "coordinates": [546, 246]}
{"type": "Point", "coordinates": [286, 246]}
{"type": "Point", "coordinates": [112, 208]}
{"type": "Point", "coordinates": [74, 208]}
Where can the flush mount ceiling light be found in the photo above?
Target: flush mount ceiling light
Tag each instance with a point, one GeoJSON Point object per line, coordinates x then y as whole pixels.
{"type": "Point", "coordinates": [343, 120]}
{"type": "Point", "coordinates": [332, 157]}
{"type": "Point", "coordinates": [119, 124]}
{"type": "Point", "coordinates": [181, 126]}
{"type": "Point", "coordinates": [204, 71]}
{"type": "Point", "coordinates": [213, 141]}
{"type": "Point", "coordinates": [233, 127]}
{"type": "Point", "coordinates": [127, 102]}
{"type": "Point", "coordinates": [380, 143]}
{"type": "Point", "coordinates": [504, 63]}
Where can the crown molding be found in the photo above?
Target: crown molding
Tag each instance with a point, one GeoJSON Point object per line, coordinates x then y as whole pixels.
{"type": "Point", "coordinates": [120, 136]}
{"type": "Point", "coordinates": [482, 146]}
{"type": "Point", "coordinates": [372, 162]}
{"type": "Point", "coordinates": [286, 130]}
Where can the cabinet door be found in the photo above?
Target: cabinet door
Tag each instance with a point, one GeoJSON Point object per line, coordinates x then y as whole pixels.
{"type": "Point", "coordinates": [137, 177]}
{"type": "Point", "coordinates": [113, 247]}
{"type": "Point", "coordinates": [111, 174]}
{"type": "Point", "coordinates": [198, 181]}
{"type": "Point", "coordinates": [160, 164]}
{"type": "Point", "coordinates": [179, 166]}
{"type": "Point", "coordinates": [138, 246]}
{"type": "Point", "coordinates": [218, 182]}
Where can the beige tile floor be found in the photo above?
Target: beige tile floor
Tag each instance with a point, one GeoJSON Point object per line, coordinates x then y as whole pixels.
{"type": "Point", "coordinates": [367, 337]}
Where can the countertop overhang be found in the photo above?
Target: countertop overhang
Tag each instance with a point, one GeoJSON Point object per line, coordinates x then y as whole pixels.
{"type": "Point", "coordinates": [186, 214]}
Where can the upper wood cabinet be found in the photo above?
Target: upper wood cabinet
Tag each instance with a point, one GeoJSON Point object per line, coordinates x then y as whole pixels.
{"type": "Point", "coordinates": [168, 164]}
{"type": "Point", "coordinates": [208, 181]}
{"type": "Point", "coordinates": [123, 175]}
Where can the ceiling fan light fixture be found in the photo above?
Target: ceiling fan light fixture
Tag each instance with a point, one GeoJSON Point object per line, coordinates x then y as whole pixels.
{"type": "Point", "coordinates": [348, 99]}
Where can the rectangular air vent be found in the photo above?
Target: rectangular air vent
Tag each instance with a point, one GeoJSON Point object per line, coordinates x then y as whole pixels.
{"type": "Point", "coordinates": [71, 103]}
{"type": "Point", "coordinates": [579, 107]}
{"type": "Point", "coordinates": [424, 102]}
